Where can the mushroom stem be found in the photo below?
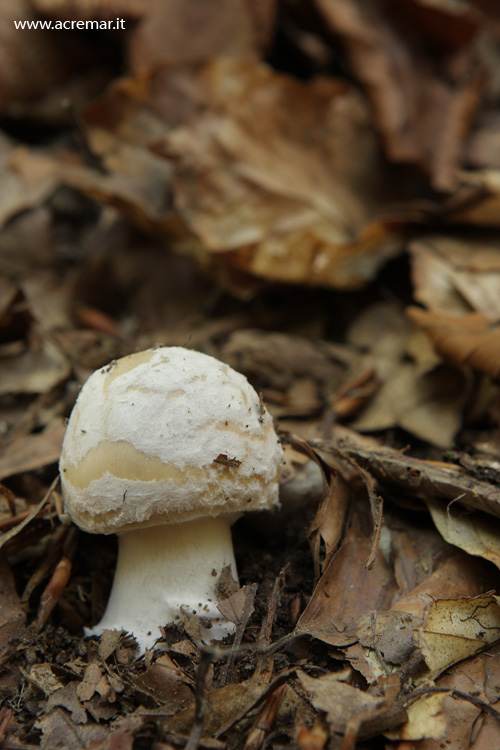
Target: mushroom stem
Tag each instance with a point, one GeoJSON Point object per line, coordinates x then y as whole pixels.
{"type": "Point", "coordinates": [165, 571]}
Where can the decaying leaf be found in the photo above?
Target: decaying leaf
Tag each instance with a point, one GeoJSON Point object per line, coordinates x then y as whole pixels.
{"type": "Point", "coordinates": [346, 589]}
{"type": "Point", "coordinates": [454, 629]}
{"type": "Point", "coordinates": [424, 633]}
{"type": "Point", "coordinates": [471, 339]}
{"type": "Point", "coordinates": [473, 532]}
{"type": "Point", "coordinates": [402, 80]}
{"type": "Point", "coordinates": [13, 617]}
{"type": "Point", "coordinates": [470, 690]}
{"type": "Point", "coordinates": [415, 477]}
{"type": "Point", "coordinates": [426, 720]}
{"type": "Point", "coordinates": [256, 185]}
{"type": "Point", "coordinates": [416, 392]}
{"type": "Point", "coordinates": [33, 451]}
{"type": "Point", "coordinates": [327, 527]}
{"type": "Point", "coordinates": [344, 703]}
{"type": "Point", "coordinates": [454, 275]}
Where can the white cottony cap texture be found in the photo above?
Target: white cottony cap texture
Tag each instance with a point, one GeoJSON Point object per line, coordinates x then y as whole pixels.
{"type": "Point", "coordinates": [164, 436]}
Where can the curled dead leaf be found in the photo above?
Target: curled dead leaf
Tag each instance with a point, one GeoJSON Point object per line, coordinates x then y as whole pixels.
{"type": "Point", "coordinates": [471, 339]}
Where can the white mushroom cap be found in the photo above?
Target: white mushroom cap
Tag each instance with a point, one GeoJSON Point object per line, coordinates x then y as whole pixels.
{"type": "Point", "coordinates": [164, 436]}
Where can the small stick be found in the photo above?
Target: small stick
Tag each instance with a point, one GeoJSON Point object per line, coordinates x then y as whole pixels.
{"type": "Point", "coordinates": [53, 591]}
{"type": "Point", "coordinates": [199, 713]}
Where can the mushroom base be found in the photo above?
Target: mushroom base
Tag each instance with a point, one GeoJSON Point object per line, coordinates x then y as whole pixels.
{"type": "Point", "coordinates": [166, 572]}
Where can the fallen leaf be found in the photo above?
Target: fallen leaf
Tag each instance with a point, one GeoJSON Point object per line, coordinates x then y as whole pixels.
{"type": "Point", "coordinates": [343, 703]}
{"type": "Point", "coordinates": [238, 607]}
{"type": "Point", "coordinates": [31, 61]}
{"type": "Point", "coordinates": [346, 589]}
{"type": "Point", "coordinates": [326, 530]}
{"type": "Point", "coordinates": [415, 392]}
{"type": "Point", "coordinates": [35, 370]}
{"type": "Point", "coordinates": [44, 678]}
{"type": "Point", "coordinates": [60, 733]}
{"type": "Point", "coordinates": [454, 629]}
{"type": "Point", "coordinates": [67, 698]}
{"type": "Point", "coordinates": [23, 188]}
{"type": "Point", "coordinates": [185, 31]}
{"type": "Point", "coordinates": [12, 615]}
{"type": "Point", "coordinates": [475, 533]}
{"type": "Point", "coordinates": [166, 684]}
{"type": "Point", "coordinates": [428, 405]}
{"type": "Point", "coordinates": [471, 339]}
{"type": "Point", "coordinates": [427, 631]}
{"type": "Point", "coordinates": [255, 185]}
{"type": "Point", "coordinates": [426, 720]}
{"type": "Point", "coordinates": [387, 52]}
{"type": "Point", "coordinates": [31, 452]}
{"type": "Point", "coordinates": [454, 275]}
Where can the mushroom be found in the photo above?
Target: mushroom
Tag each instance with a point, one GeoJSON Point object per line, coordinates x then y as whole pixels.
{"type": "Point", "coordinates": [166, 448]}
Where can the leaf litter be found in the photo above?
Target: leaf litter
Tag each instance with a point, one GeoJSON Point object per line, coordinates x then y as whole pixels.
{"type": "Point", "coordinates": [308, 192]}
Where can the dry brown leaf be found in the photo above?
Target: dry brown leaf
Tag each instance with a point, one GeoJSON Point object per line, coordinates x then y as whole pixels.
{"type": "Point", "coordinates": [344, 703]}
{"type": "Point", "coordinates": [60, 734]}
{"type": "Point", "coordinates": [466, 724]}
{"type": "Point", "coordinates": [12, 615]}
{"type": "Point", "coordinates": [454, 629]}
{"type": "Point", "coordinates": [475, 533]}
{"type": "Point", "coordinates": [36, 370]}
{"type": "Point", "coordinates": [426, 720]}
{"type": "Point", "coordinates": [165, 683]}
{"type": "Point", "coordinates": [22, 188]}
{"type": "Point", "coordinates": [416, 392]}
{"type": "Point", "coordinates": [187, 31]}
{"type": "Point", "coordinates": [238, 607]}
{"type": "Point", "coordinates": [346, 590]}
{"type": "Point", "coordinates": [32, 452]}
{"type": "Point", "coordinates": [444, 619]}
{"type": "Point", "coordinates": [456, 275]}
{"type": "Point", "coordinates": [67, 697]}
{"type": "Point", "coordinates": [30, 62]}
{"type": "Point", "coordinates": [471, 339]}
{"type": "Point", "coordinates": [133, 180]}
{"type": "Point", "coordinates": [282, 197]}
{"type": "Point", "coordinates": [90, 9]}
{"type": "Point", "coordinates": [427, 405]}
{"type": "Point", "coordinates": [424, 106]}
{"type": "Point", "coordinates": [480, 204]}
{"type": "Point", "coordinates": [327, 527]}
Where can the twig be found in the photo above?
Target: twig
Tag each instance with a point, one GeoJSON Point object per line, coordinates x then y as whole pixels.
{"type": "Point", "coordinates": [458, 695]}
{"type": "Point", "coordinates": [199, 705]}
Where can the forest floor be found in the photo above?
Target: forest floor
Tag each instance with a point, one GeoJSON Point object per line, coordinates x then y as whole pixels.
{"type": "Point", "coordinates": [310, 192]}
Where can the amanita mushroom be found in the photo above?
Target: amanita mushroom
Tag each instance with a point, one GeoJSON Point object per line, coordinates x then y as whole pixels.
{"type": "Point", "coordinates": [166, 448]}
